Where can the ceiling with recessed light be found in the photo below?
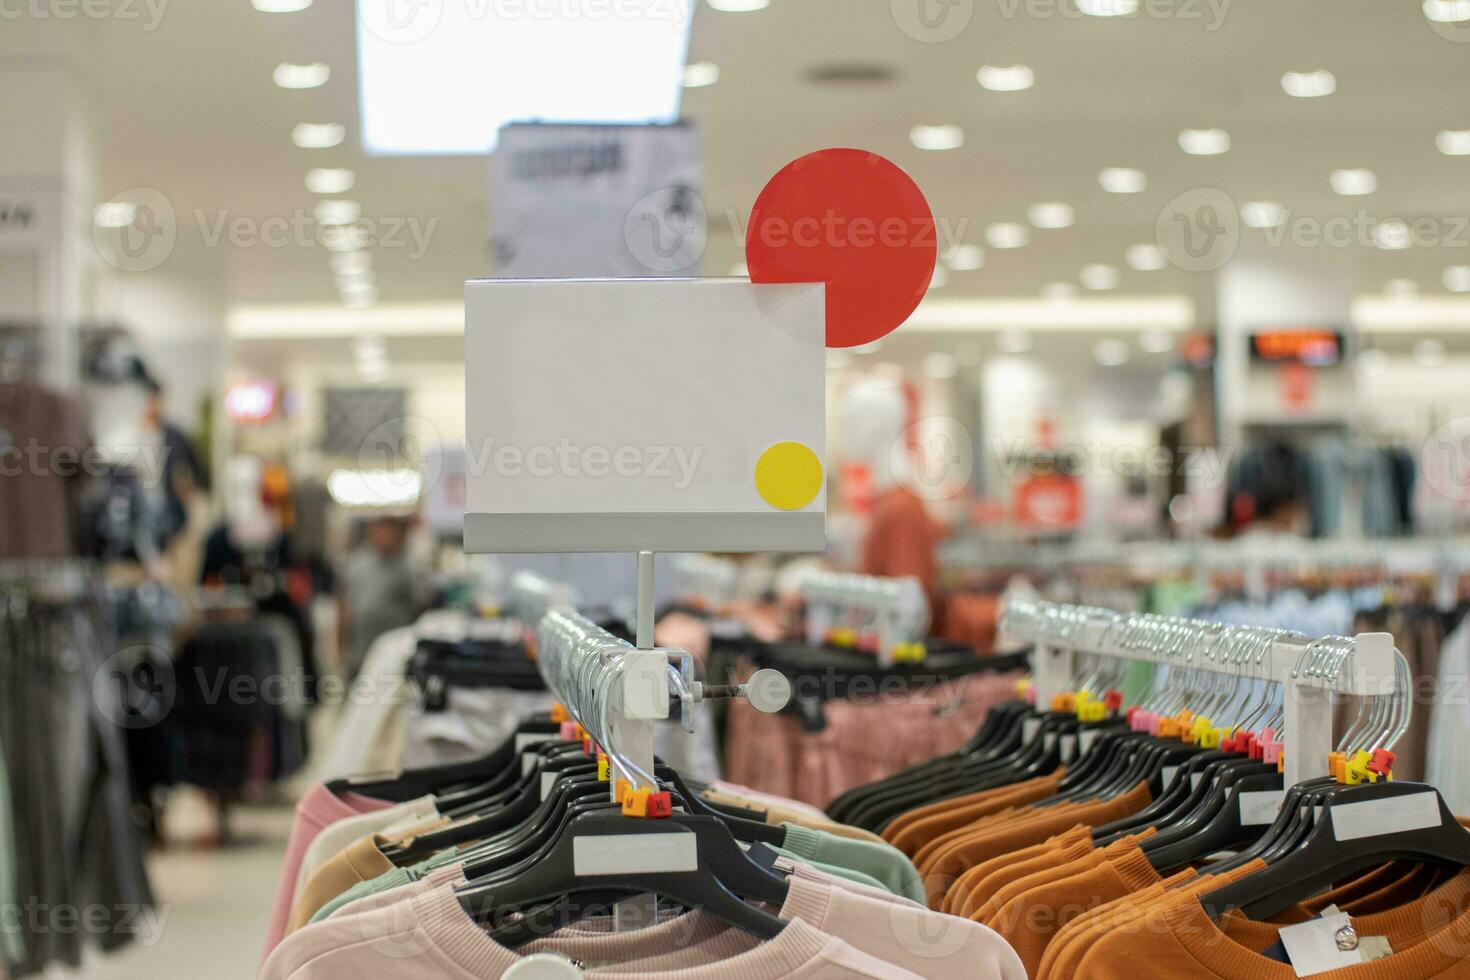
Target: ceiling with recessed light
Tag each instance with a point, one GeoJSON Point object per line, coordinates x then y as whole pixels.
{"type": "Point", "coordinates": [1055, 140]}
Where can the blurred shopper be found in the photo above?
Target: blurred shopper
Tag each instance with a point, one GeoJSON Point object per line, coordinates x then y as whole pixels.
{"type": "Point", "coordinates": [382, 589]}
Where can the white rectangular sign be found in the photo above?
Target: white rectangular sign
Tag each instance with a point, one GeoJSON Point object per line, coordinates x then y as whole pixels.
{"type": "Point", "coordinates": [631, 414]}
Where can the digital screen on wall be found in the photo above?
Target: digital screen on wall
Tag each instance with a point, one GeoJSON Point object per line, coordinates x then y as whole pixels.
{"type": "Point", "coordinates": [1312, 346]}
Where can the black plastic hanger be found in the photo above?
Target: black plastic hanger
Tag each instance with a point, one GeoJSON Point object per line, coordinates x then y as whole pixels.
{"type": "Point", "coordinates": [405, 786]}
{"type": "Point", "coordinates": [723, 876]}
{"type": "Point", "coordinates": [1321, 859]}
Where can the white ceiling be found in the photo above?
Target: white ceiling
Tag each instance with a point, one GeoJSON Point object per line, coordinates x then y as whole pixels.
{"type": "Point", "coordinates": [189, 109]}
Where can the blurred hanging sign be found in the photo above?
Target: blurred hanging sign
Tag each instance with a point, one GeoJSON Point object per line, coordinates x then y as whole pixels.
{"type": "Point", "coordinates": [589, 200]}
{"type": "Point", "coordinates": [1313, 347]}
{"type": "Point", "coordinates": [1049, 501]}
{"type": "Point", "coordinates": [251, 401]}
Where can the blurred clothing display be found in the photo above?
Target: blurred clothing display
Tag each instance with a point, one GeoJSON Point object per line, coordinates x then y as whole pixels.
{"type": "Point", "coordinates": [44, 453]}
{"type": "Point", "coordinates": [69, 813]}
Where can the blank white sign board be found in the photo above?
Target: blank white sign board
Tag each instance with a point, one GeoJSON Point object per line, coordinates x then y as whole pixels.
{"type": "Point", "coordinates": [630, 414]}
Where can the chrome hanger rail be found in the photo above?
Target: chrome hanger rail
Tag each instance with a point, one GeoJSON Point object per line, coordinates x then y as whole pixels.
{"type": "Point", "coordinates": [1073, 645]}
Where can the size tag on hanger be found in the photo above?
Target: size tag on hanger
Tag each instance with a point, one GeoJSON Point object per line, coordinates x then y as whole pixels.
{"type": "Point", "coordinates": [1029, 728]}
{"type": "Point", "coordinates": [1327, 943]}
{"type": "Point", "coordinates": [1195, 779]}
{"type": "Point", "coordinates": [1395, 815]}
{"type": "Point", "coordinates": [1087, 739]}
{"type": "Point", "coordinates": [1259, 808]}
{"type": "Point", "coordinates": [548, 780]}
{"type": "Point", "coordinates": [525, 741]}
{"type": "Point", "coordinates": [1169, 773]}
{"type": "Point", "coordinates": [627, 854]}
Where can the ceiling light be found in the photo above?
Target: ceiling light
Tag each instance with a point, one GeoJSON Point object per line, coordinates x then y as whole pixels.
{"type": "Point", "coordinates": [1050, 214]}
{"type": "Point", "coordinates": [964, 258]}
{"type": "Point", "coordinates": [1453, 142]}
{"type": "Point", "coordinates": [114, 214]}
{"type": "Point", "coordinates": [357, 299]}
{"type": "Point", "coordinates": [1099, 275]}
{"type": "Point", "coordinates": [355, 282]}
{"type": "Point", "coordinates": [1013, 341]}
{"type": "Point", "coordinates": [369, 348]}
{"type": "Point", "coordinates": [1111, 353]}
{"type": "Point", "coordinates": [1429, 352]}
{"type": "Point", "coordinates": [1372, 361]}
{"type": "Point", "coordinates": [1457, 278]}
{"type": "Point", "coordinates": [1262, 214]}
{"type": "Point", "coordinates": [1401, 289]}
{"type": "Point", "coordinates": [1146, 258]}
{"type": "Point", "coordinates": [1156, 341]}
{"type": "Point", "coordinates": [701, 74]}
{"type": "Point", "coordinates": [1392, 235]}
{"type": "Point", "coordinates": [375, 488]}
{"type": "Point", "coordinates": [945, 137]}
{"type": "Point", "coordinates": [330, 180]}
{"type": "Point", "coordinates": [941, 366]}
{"type": "Point", "coordinates": [1352, 183]}
{"type": "Point", "coordinates": [291, 76]}
{"type": "Point", "coordinates": [351, 263]}
{"type": "Point", "coordinates": [940, 277]}
{"type": "Point", "coordinates": [1204, 142]}
{"type": "Point", "coordinates": [1308, 84]}
{"type": "Point", "coordinates": [1007, 234]}
{"type": "Point", "coordinates": [740, 270]}
{"type": "Point", "coordinates": [1057, 291]}
{"type": "Point", "coordinates": [1011, 78]}
{"type": "Point", "coordinates": [343, 238]}
{"type": "Point", "coordinates": [337, 212]}
{"type": "Point", "coordinates": [1122, 180]}
{"type": "Point", "coordinates": [280, 6]}
{"type": "Point", "coordinates": [318, 136]}
{"type": "Point", "coordinates": [1108, 8]}
{"type": "Point", "coordinates": [737, 6]}
{"type": "Point", "coordinates": [440, 78]}
{"type": "Point", "coordinates": [1447, 11]}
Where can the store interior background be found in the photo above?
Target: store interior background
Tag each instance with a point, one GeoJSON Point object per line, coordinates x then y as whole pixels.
{"type": "Point", "coordinates": [1083, 329]}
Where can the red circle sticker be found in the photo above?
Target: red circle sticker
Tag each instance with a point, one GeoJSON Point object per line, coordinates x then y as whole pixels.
{"type": "Point", "coordinates": [855, 221]}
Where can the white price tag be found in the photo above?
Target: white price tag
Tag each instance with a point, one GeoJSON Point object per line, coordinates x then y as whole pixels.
{"type": "Point", "coordinates": [1169, 773]}
{"type": "Point", "coordinates": [1087, 739]}
{"type": "Point", "coordinates": [1317, 946]}
{"type": "Point", "coordinates": [1260, 807]}
{"type": "Point", "coordinates": [548, 780]}
{"type": "Point", "coordinates": [622, 854]}
{"type": "Point", "coordinates": [523, 741]}
{"type": "Point", "coordinates": [1194, 780]}
{"type": "Point", "coordinates": [1029, 728]}
{"type": "Point", "coordinates": [1394, 815]}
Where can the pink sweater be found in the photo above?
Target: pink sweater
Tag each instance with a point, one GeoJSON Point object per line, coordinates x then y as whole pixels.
{"type": "Point", "coordinates": [431, 938]}
{"type": "Point", "coordinates": [318, 809]}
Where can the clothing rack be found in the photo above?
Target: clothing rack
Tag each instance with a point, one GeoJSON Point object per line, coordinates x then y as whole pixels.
{"type": "Point", "coordinates": [1309, 669]}
{"type": "Point", "coordinates": [896, 610]}
{"type": "Point", "coordinates": [529, 597]}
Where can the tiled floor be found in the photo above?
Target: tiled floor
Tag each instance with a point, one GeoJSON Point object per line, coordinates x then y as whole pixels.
{"type": "Point", "coordinates": [213, 908]}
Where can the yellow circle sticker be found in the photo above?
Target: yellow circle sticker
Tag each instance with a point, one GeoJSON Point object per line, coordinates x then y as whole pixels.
{"type": "Point", "coordinates": [788, 476]}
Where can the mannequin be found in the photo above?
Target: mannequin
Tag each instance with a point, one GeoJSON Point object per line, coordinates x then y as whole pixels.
{"type": "Point", "coordinates": [901, 539]}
